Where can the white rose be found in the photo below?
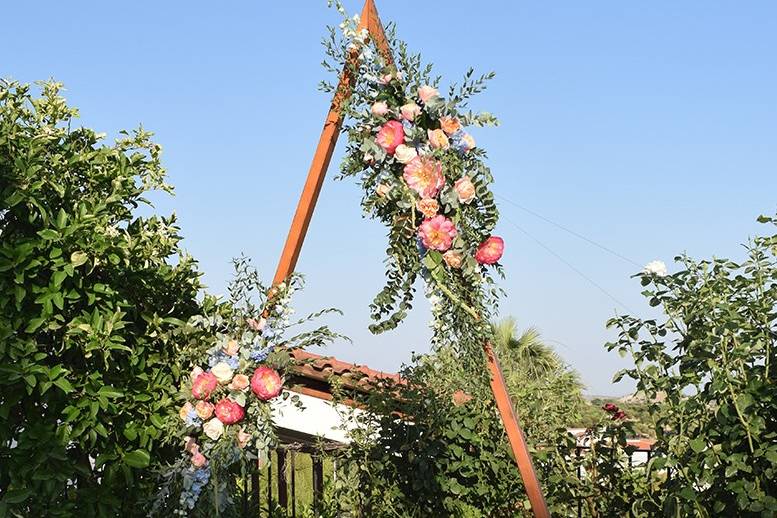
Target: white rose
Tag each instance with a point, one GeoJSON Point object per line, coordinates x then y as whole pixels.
{"type": "Point", "coordinates": [405, 154]}
{"type": "Point", "coordinates": [655, 268]}
{"type": "Point", "coordinates": [213, 428]}
{"type": "Point", "coordinates": [222, 371]}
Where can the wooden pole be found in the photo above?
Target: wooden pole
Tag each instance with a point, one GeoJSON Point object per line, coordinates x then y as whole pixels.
{"type": "Point", "coordinates": [301, 221]}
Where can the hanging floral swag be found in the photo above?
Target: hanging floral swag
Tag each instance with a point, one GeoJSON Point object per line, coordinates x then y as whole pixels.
{"type": "Point", "coordinates": [425, 178]}
{"type": "Point", "coordinates": [241, 355]}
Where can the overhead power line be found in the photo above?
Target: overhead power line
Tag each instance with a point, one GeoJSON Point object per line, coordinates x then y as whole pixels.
{"type": "Point", "coordinates": [568, 264]}
{"type": "Point", "coordinates": [570, 231]}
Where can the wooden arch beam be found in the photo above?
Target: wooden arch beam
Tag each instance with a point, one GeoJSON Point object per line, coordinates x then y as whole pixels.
{"type": "Point", "coordinates": [299, 227]}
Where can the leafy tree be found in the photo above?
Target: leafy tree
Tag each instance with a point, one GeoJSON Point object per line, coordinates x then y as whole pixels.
{"type": "Point", "coordinates": [547, 394]}
{"type": "Point", "coordinates": [91, 299]}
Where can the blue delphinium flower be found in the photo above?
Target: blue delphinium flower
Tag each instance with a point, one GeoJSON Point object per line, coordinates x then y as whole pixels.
{"type": "Point", "coordinates": [260, 354]}
{"type": "Point", "coordinates": [192, 419]}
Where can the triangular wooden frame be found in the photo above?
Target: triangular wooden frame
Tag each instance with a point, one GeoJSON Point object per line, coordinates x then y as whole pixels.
{"type": "Point", "coordinates": [299, 226]}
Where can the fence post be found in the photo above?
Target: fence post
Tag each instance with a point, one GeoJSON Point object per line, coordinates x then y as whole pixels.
{"type": "Point", "coordinates": [318, 481]}
{"type": "Point", "coordinates": [283, 496]}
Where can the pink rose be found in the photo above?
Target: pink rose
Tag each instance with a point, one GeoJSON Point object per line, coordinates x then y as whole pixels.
{"type": "Point", "coordinates": [385, 79]}
{"type": "Point", "coordinates": [410, 111]}
{"type": "Point", "coordinates": [438, 139]}
{"type": "Point", "coordinates": [204, 385]}
{"type": "Point", "coordinates": [426, 92]}
{"type": "Point", "coordinates": [437, 233]}
{"type": "Point", "coordinates": [428, 207]}
{"type": "Point", "coordinates": [239, 382]}
{"type": "Point", "coordinates": [490, 250]}
{"type": "Point", "coordinates": [232, 347]}
{"type": "Point", "coordinates": [450, 125]}
{"type": "Point", "coordinates": [404, 154]}
{"type": "Point", "coordinates": [229, 412]}
{"type": "Point", "coordinates": [383, 190]}
{"type": "Point", "coordinates": [424, 176]}
{"type": "Point", "coordinates": [242, 438]}
{"type": "Point", "coordinates": [465, 189]}
{"type": "Point", "coordinates": [255, 325]}
{"type": "Point", "coordinates": [452, 259]}
{"type": "Point", "coordinates": [191, 445]}
{"type": "Point", "coordinates": [266, 383]}
{"type": "Point", "coordinates": [198, 460]}
{"type": "Point", "coordinates": [390, 136]}
{"type": "Point", "coordinates": [379, 109]}
{"type": "Point", "coordinates": [204, 409]}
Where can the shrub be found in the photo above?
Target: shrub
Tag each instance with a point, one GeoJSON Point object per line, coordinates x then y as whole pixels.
{"type": "Point", "coordinates": [91, 298]}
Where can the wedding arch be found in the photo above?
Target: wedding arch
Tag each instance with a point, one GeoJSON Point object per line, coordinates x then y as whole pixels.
{"type": "Point", "coordinates": [370, 27]}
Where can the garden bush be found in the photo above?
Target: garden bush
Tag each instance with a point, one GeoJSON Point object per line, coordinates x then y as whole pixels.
{"type": "Point", "coordinates": [92, 296]}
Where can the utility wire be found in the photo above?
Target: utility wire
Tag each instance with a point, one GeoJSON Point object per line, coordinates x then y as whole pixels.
{"type": "Point", "coordinates": [565, 229]}
{"type": "Point", "coordinates": [570, 265]}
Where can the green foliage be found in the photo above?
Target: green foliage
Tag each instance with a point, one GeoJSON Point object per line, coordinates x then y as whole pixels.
{"type": "Point", "coordinates": [711, 360]}
{"type": "Point", "coordinates": [92, 297]}
{"type": "Point", "coordinates": [421, 452]}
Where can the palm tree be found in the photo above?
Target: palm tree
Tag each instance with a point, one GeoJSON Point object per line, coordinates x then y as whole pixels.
{"type": "Point", "coordinates": [526, 351]}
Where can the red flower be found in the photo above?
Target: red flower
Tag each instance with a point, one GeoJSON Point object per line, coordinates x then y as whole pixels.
{"type": "Point", "coordinates": [266, 383]}
{"type": "Point", "coordinates": [204, 384]}
{"type": "Point", "coordinates": [490, 250]}
{"type": "Point", "coordinates": [229, 412]}
{"type": "Point", "coordinates": [390, 136]}
{"type": "Point", "coordinates": [617, 416]}
{"type": "Point", "coordinates": [610, 407]}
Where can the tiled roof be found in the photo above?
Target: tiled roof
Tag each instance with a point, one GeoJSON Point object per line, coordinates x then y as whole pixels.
{"type": "Point", "coordinates": [322, 368]}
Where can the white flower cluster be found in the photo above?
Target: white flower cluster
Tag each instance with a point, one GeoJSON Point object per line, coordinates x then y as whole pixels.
{"type": "Point", "coordinates": [655, 268]}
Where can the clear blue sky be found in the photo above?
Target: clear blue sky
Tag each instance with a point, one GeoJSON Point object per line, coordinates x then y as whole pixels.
{"type": "Point", "coordinates": [650, 127]}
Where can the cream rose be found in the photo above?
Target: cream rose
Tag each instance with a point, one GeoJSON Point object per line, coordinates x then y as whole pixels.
{"type": "Point", "coordinates": [410, 111]}
{"type": "Point", "coordinates": [222, 371]}
{"type": "Point", "coordinates": [213, 428]}
{"type": "Point", "coordinates": [405, 154]}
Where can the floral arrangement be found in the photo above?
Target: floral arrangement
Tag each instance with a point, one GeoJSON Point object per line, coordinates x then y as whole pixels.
{"type": "Point", "coordinates": [226, 419]}
{"type": "Point", "coordinates": [425, 178]}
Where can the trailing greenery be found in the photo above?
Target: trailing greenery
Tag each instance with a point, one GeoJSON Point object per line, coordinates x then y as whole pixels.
{"type": "Point", "coordinates": [425, 180]}
{"type": "Point", "coordinates": [92, 297]}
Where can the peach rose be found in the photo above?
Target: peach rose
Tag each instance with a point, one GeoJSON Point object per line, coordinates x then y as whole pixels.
{"type": "Point", "coordinates": [242, 438]}
{"type": "Point", "coordinates": [204, 409]}
{"type": "Point", "coordinates": [437, 233]}
{"type": "Point", "coordinates": [382, 190]}
{"type": "Point", "coordinates": [239, 382]}
{"type": "Point", "coordinates": [428, 207]}
{"type": "Point", "coordinates": [410, 111]}
{"type": "Point", "coordinates": [438, 139]}
{"type": "Point", "coordinates": [183, 413]}
{"type": "Point", "coordinates": [231, 347]}
{"type": "Point", "coordinates": [465, 189]}
{"type": "Point", "coordinates": [452, 259]}
{"type": "Point", "coordinates": [405, 154]}
{"type": "Point", "coordinates": [450, 125]}
{"type": "Point", "coordinates": [426, 92]}
{"type": "Point", "coordinates": [390, 136]}
{"type": "Point", "coordinates": [379, 109]}
{"type": "Point", "coordinates": [490, 250]}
